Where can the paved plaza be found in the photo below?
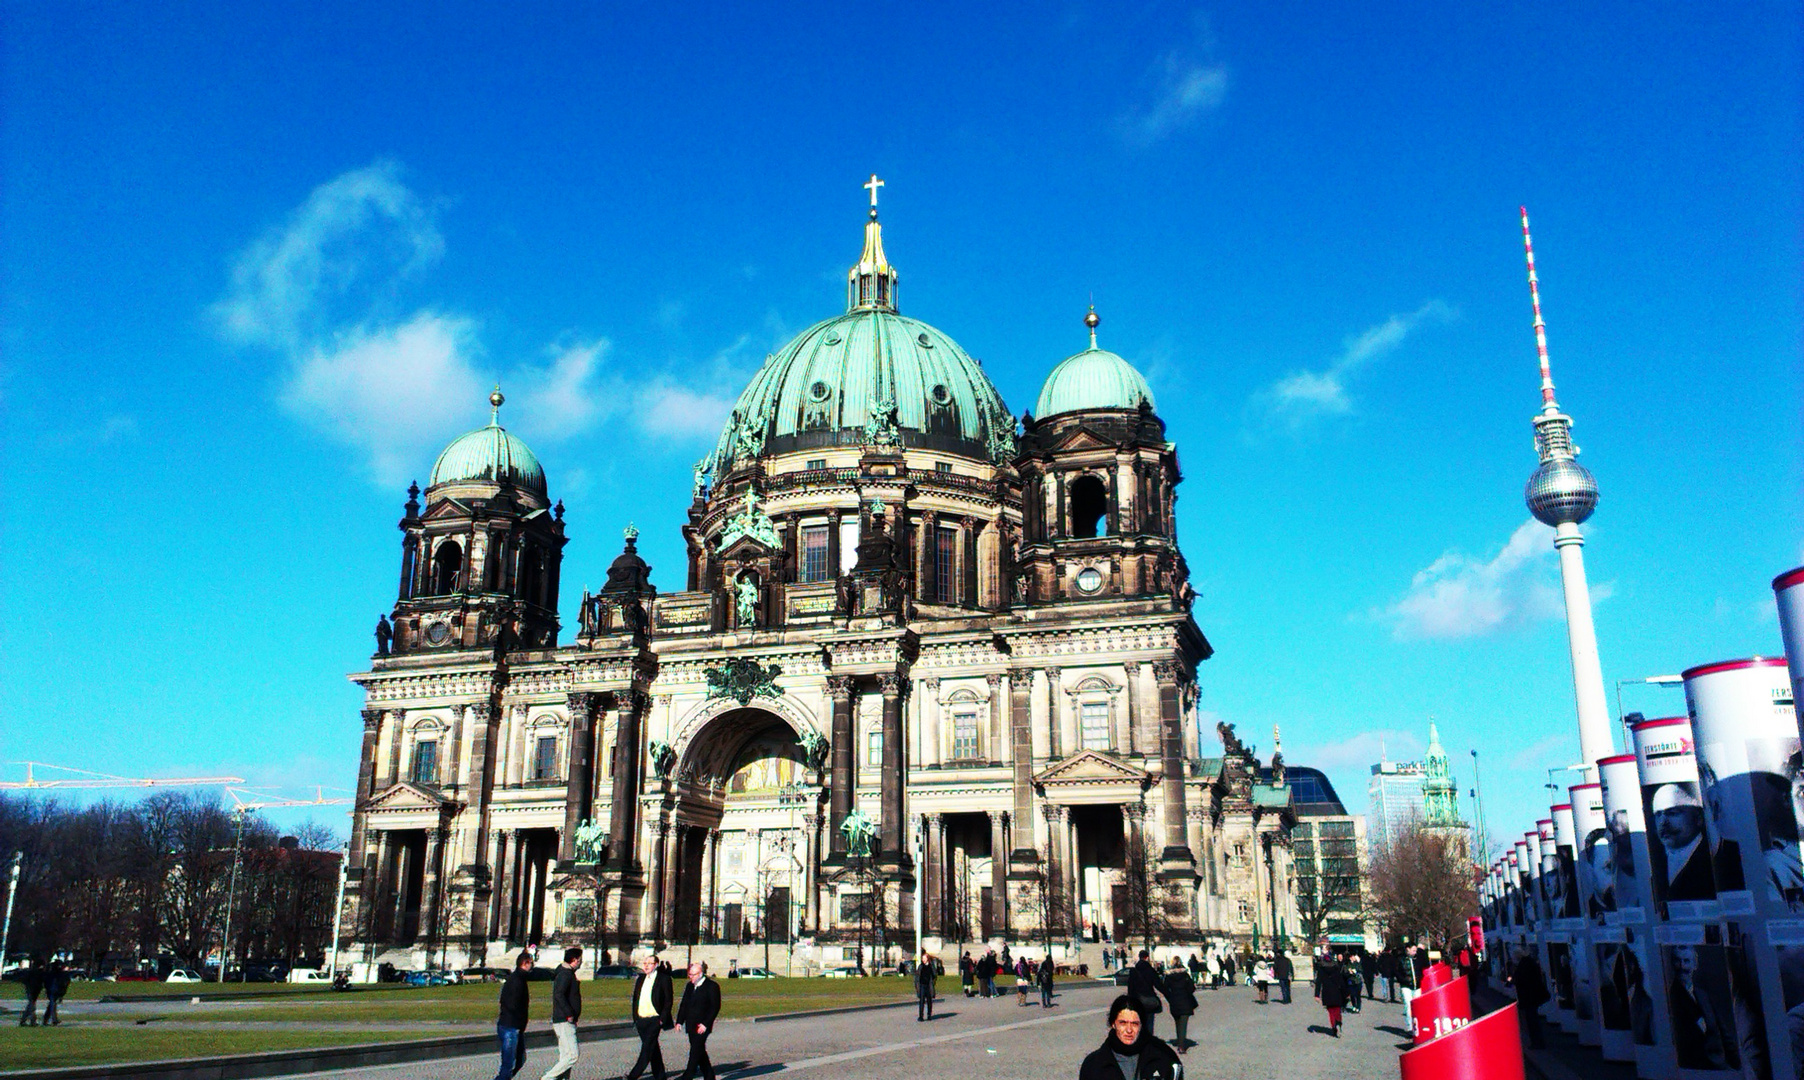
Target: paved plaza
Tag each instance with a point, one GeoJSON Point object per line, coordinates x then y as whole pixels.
{"type": "Point", "coordinates": [1236, 1039]}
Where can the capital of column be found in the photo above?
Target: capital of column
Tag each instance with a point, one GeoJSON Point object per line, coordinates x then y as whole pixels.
{"type": "Point", "coordinates": [839, 686]}
{"type": "Point", "coordinates": [480, 713]}
{"type": "Point", "coordinates": [1166, 671]}
{"type": "Point", "coordinates": [1053, 811]}
{"type": "Point", "coordinates": [372, 719]}
{"type": "Point", "coordinates": [994, 678]}
{"type": "Point", "coordinates": [1131, 667]}
{"type": "Point", "coordinates": [890, 684]}
{"type": "Point", "coordinates": [1135, 811]}
{"type": "Point", "coordinates": [932, 686]}
{"type": "Point", "coordinates": [582, 706]}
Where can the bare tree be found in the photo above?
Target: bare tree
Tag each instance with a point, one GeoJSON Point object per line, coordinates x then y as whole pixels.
{"type": "Point", "coordinates": [1149, 900]}
{"type": "Point", "coordinates": [1422, 885]}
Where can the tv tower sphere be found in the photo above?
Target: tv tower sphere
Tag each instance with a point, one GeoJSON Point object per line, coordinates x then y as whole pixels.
{"type": "Point", "coordinates": [1561, 492]}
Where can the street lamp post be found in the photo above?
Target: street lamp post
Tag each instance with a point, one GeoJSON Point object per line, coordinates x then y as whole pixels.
{"type": "Point", "coordinates": [12, 894]}
{"type": "Point", "coordinates": [338, 910]}
{"type": "Point", "coordinates": [1478, 812]}
{"type": "Point", "coordinates": [225, 938]}
{"type": "Point", "coordinates": [1628, 739]}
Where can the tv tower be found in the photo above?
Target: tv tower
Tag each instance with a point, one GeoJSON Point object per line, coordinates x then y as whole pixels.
{"type": "Point", "coordinates": [1562, 493]}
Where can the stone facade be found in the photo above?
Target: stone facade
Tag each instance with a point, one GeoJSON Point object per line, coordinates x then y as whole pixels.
{"type": "Point", "coordinates": [984, 647]}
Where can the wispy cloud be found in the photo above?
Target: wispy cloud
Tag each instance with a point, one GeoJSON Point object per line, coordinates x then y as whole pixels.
{"type": "Point", "coordinates": [1187, 82]}
{"type": "Point", "coordinates": [1358, 751]}
{"type": "Point", "coordinates": [1549, 750]}
{"type": "Point", "coordinates": [316, 291]}
{"type": "Point", "coordinates": [1303, 397]}
{"type": "Point", "coordinates": [1460, 596]}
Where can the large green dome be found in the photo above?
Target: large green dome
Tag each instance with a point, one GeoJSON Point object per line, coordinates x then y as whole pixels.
{"type": "Point", "coordinates": [834, 383]}
{"type": "Point", "coordinates": [1093, 379]}
{"type": "Point", "coordinates": [490, 455]}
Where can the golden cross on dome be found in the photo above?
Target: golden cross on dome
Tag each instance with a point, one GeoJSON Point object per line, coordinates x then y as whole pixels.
{"type": "Point", "coordinates": [872, 188]}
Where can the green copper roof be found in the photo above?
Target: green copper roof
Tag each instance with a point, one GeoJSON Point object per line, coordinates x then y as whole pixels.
{"type": "Point", "coordinates": [490, 455]}
{"type": "Point", "coordinates": [1271, 796]}
{"type": "Point", "coordinates": [837, 382]}
{"type": "Point", "coordinates": [1093, 379]}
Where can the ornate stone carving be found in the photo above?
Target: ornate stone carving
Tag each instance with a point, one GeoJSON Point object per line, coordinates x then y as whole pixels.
{"type": "Point", "coordinates": [1054, 812]}
{"type": "Point", "coordinates": [839, 686]}
{"type": "Point", "coordinates": [1166, 671]}
{"type": "Point", "coordinates": [662, 756]}
{"type": "Point", "coordinates": [1230, 743]}
{"type": "Point", "coordinates": [994, 678]}
{"type": "Point", "coordinates": [743, 679]}
{"type": "Point", "coordinates": [814, 749]}
{"type": "Point", "coordinates": [591, 841]}
{"type": "Point", "coordinates": [884, 428]}
{"type": "Point", "coordinates": [890, 684]}
{"type": "Point", "coordinates": [749, 521]}
{"type": "Point", "coordinates": [372, 719]}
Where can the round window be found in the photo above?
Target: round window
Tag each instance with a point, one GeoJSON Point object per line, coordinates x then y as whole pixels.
{"type": "Point", "coordinates": [941, 395]}
{"type": "Point", "coordinates": [924, 341]}
{"type": "Point", "coordinates": [1089, 579]}
{"type": "Point", "coordinates": [437, 634]}
{"type": "Point", "coordinates": [819, 390]}
{"type": "Point", "coordinates": [832, 337]}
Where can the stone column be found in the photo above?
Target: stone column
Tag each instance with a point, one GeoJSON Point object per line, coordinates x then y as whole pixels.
{"type": "Point", "coordinates": [998, 871]}
{"type": "Point", "coordinates": [930, 562]}
{"type": "Point", "coordinates": [930, 729]}
{"type": "Point", "coordinates": [666, 880]}
{"type": "Point", "coordinates": [374, 891]}
{"type": "Point", "coordinates": [395, 719]}
{"type": "Point", "coordinates": [932, 876]}
{"type": "Point", "coordinates": [366, 784]}
{"type": "Point", "coordinates": [623, 816]}
{"type": "Point", "coordinates": [515, 774]}
{"type": "Point", "coordinates": [583, 708]}
{"type": "Point", "coordinates": [970, 597]}
{"type": "Point", "coordinates": [1020, 682]}
{"type": "Point", "coordinates": [1057, 860]}
{"type": "Point", "coordinates": [1131, 742]}
{"type": "Point", "coordinates": [811, 872]}
{"type": "Point", "coordinates": [430, 888]}
{"type": "Point", "coordinates": [894, 771]}
{"type": "Point", "coordinates": [833, 570]}
{"type": "Point", "coordinates": [992, 740]}
{"type": "Point", "coordinates": [840, 786]}
{"type": "Point", "coordinates": [1060, 714]}
{"type": "Point", "coordinates": [1176, 856]}
{"type": "Point", "coordinates": [479, 721]}
{"type": "Point", "coordinates": [507, 859]}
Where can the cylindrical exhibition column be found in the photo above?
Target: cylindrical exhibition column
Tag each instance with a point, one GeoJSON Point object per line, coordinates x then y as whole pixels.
{"type": "Point", "coordinates": [1746, 729]}
{"type": "Point", "coordinates": [1513, 916]}
{"type": "Point", "coordinates": [1591, 861]}
{"type": "Point", "coordinates": [1631, 993]}
{"type": "Point", "coordinates": [1540, 923]}
{"type": "Point", "coordinates": [1556, 894]}
{"type": "Point", "coordinates": [1682, 890]}
{"type": "Point", "coordinates": [1788, 589]}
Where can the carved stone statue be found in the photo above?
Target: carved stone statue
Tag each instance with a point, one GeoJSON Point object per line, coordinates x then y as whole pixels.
{"type": "Point", "coordinates": [860, 830]}
{"type": "Point", "coordinates": [845, 595]}
{"type": "Point", "coordinates": [814, 749]}
{"type": "Point", "coordinates": [745, 601]}
{"type": "Point", "coordinates": [589, 841]}
{"type": "Point", "coordinates": [385, 636]}
{"type": "Point", "coordinates": [1230, 742]}
{"type": "Point", "coordinates": [633, 614]}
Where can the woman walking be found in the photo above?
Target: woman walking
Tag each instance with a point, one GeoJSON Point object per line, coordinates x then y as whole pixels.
{"type": "Point", "coordinates": [1331, 989]}
{"type": "Point", "coordinates": [1262, 978]}
{"type": "Point", "coordinates": [1180, 990]}
{"type": "Point", "coordinates": [967, 975]}
{"type": "Point", "coordinates": [1022, 981]}
{"type": "Point", "coordinates": [1130, 1052]}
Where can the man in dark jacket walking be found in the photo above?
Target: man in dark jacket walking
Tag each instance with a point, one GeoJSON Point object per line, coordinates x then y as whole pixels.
{"type": "Point", "coordinates": [56, 984]}
{"type": "Point", "coordinates": [511, 1023]}
{"type": "Point", "coordinates": [33, 980]}
{"type": "Point", "coordinates": [566, 1010]}
{"type": "Point", "coordinates": [1331, 989]}
{"type": "Point", "coordinates": [1285, 972]}
{"type": "Point", "coordinates": [1145, 986]}
{"type": "Point", "coordinates": [651, 1016]}
{"type": "Point", "coordinates": [1044, 976]}
{"type": "Point", "coordinates": [925, 984]}
{"type": "Point", "coordinates": [701, 1004]}
{"type": "Point", "coordinates": [1531, 994]}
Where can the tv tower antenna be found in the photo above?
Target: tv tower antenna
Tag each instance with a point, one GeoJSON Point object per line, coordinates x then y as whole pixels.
{"type": "Point", "coordinates": [1562, 493]}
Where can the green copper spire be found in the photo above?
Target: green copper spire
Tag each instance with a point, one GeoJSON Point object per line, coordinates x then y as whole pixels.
{"type": "Point", "coordinates": [1440, 799]}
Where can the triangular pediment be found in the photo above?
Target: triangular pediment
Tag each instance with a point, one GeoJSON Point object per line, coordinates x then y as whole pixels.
{"type": "Point", "coordinates": [1082, 439]}
{"type": "Point", "coordinates": [446, 508]}
{"type": "Point", "coordinates": [746, 548]}
{"type": "Point", "coordinates": [1090, 767]}
{"type": "Point", "coordinates": [407, 795]}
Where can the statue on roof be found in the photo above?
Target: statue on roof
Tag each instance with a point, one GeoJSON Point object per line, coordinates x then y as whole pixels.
{"type": "Point", "coordinates": [1230, 742]}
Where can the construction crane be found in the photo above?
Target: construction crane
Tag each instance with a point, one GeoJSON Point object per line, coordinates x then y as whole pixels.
{"type": "Point", "coordinates": [262, 800]}
{"type": "Point", "coordinates": [88, 779]}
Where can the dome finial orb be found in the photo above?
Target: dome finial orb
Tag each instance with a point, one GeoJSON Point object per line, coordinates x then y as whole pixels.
{"type": "Point", "coordinates": [496, 400]}
{"type": "Point", "coordinates": [1092, 321]}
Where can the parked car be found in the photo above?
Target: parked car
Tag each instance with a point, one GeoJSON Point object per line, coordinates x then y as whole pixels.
{"type": "Point", "coordinates": [614, 971]}
{"type": "Point", "coordinates": [479, 975]}
{"type": "Point", "coordinates": [847, 972]}
{"type": "Point", "coordinates": [182, 975]}
{"type": "Point", "coordinates": [756, 973]}
{"type": "Point", "coordinates": [428, 978]}
{"type": "Point", "coordinates": [309, 975]}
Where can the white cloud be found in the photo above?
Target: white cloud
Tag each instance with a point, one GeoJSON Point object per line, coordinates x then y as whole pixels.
{"type": "Point", "coordinates": [361, 225]}
{"type": "Point", "coordinates": [1359, 751]}
{"type": "Point", "coordinates": [1550, 749]}
{"type": "Point", "coordinates": [568, 396]}
{"type": "Point", "coordinates": [397, 393]}
{"type": "Point", "coordinates": [1305, 396]}
{"type": "Point", "coordinates": [1187, 90]}
{"type": "Point", "coordinates": [1460, 596]}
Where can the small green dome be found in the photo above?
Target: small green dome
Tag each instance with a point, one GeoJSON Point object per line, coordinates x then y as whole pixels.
{"type": "Point", "coordinates": [1093, 379]}
{"type": "Point", "coordinates": [490, 455]}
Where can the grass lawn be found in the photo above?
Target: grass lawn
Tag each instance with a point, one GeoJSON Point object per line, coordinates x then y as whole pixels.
{"type": "Point", "coordinates": [604, 999]}
{"type": "Point", "coordinates": [71, 1044]}
{"type": "Point", "coordinates": [84, 990]}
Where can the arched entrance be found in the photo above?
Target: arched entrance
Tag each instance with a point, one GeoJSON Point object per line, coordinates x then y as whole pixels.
{"type": "Point", "coordinates": [740, 856]}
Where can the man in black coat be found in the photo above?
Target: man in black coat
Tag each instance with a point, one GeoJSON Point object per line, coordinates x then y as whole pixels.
{"type": "Point", "coordinates": [1144, 985]}
{"type": "Point", "coordinates": [566, 1010]}
{"type": "Point", "coordinates": [701, 1004]}
{"type": "Point", "coordinates": [1531, 994]}
{"type": "Point", "coordinates": [516, 1000]}
{"type": "Point", "coordinates": [651, 1016]}
{"type": "Point", "coordinates": [1285, 971]}
{"type": "Point", "coordinates": [33, 979]}
{"type": "Point", "coordinates": [56, 984]}
{"type": "Point", "coordinates": [925, 985]}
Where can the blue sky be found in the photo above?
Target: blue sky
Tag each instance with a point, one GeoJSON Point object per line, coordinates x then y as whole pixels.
{"type": "Point", "coordinates": [261, 262]}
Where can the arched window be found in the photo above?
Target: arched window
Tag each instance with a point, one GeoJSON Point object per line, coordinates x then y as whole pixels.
{"type": "Point", "coordinates": [1089, 502]}
{"type": "Point", "coordinates": [447, 563]}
